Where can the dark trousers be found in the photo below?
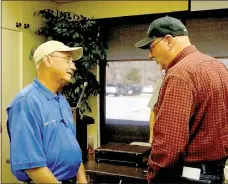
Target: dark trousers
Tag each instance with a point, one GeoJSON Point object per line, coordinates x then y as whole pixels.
{"type": "Point", "coordinates": [211, 172]}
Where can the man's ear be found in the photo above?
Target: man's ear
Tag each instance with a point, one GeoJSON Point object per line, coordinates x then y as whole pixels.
{"type": "Point", "coordinates": [47, 61]}
{"type": "Point", "coordinates": [170, 42]}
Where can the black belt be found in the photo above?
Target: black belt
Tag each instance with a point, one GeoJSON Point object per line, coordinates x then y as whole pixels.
{"type": "Point", "coordinates": [71, 180]}
{"type": "Point", "coordinates": [211, 172]}
{"type": "Point", "coordinates": [209, 167]}
{"type": "Point", "coordinates": [68, 181]}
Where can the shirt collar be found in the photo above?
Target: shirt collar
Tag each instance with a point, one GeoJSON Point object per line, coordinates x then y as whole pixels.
{"type": "Point", "coordinates": [49, 95]}
{"type": "Point", "coordinates": [186, 51]}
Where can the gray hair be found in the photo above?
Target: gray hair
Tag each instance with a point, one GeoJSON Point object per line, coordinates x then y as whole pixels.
{"type": "Point", "coordinates": [37, 64]}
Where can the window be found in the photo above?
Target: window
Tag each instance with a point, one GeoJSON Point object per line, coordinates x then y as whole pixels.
{"type": "Point", "coordinates": [224, 61]}
{"type": "Point", "coordinates": [129, 87]}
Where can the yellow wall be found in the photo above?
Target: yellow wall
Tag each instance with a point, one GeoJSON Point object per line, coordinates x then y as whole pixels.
{"type": "Point", "coordinates": [9, 19]}
{"type": "Point", "coordinates": [0, 93]}
{"type": "Point", "coordinates": [208, 5]}
{"type": "Point", "coordinates": [107, 9]}
{"type": "Point", "coordinates": [11, 73]}
{"type": "Point", "coordinates": [17, 69]}
{"type": "Point", "coordinates": [11, 84]}
{"type": "Point", "coordinates": [29, 39]}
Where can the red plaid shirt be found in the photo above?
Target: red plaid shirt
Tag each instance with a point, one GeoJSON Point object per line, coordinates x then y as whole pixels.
{"type": "Point", "coordinates": [191, 115]}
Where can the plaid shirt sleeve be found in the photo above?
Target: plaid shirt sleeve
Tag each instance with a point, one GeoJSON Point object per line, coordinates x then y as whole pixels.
{"type": "Point", "coordinates": [171, 129]}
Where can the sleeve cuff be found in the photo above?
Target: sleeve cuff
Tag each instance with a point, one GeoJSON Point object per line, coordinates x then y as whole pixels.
{"type": "Point", "coordinates": [29, 165]}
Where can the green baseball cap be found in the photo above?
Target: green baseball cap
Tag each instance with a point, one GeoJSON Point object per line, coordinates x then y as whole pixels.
{"type": "Point", "coordinates": [161, 27]}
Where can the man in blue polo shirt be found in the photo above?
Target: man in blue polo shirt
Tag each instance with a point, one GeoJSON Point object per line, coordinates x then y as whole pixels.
{"type": "Point", "coordinates": [43, 145]}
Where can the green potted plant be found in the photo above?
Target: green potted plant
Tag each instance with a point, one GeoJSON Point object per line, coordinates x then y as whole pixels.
{"type": "Point", "coordinates": [76, 30]}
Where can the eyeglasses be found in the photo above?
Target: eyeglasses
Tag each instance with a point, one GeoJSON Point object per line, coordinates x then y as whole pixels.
{"type": "Point", "coordinates": [69, 59]}
{"type": "Point", "coordinates": [151, 46]}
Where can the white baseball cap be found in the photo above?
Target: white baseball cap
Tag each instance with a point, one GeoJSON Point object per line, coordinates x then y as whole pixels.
{"type": "Point", "coordinates": [55, 46]}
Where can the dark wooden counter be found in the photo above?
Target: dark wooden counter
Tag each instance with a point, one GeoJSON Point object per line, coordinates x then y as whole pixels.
{"type": "Point", "coordinates": [128, 174]}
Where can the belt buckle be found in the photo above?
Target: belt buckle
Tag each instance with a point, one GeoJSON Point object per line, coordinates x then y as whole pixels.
{"type": "Point", "coordinates": [71, 181]}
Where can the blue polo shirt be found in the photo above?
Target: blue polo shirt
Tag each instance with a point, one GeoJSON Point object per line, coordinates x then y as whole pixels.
{"type": "Point", "coordinates": [42, 133]}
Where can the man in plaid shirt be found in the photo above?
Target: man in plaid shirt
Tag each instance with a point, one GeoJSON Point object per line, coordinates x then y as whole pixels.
{"type": "Point", "coordinates": [190, 134]}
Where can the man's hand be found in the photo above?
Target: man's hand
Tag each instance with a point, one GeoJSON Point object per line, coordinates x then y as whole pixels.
{"type": "Point", "coordinates": [81, 178]}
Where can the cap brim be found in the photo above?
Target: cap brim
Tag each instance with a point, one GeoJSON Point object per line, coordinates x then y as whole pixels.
{"type": "Point", "coordinates": [77, 52]}
{"type": "Point", "coordinates": [144, 43]}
